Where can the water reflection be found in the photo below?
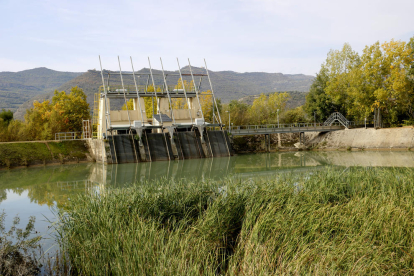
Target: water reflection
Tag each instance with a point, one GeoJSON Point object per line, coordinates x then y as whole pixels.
{"type": "Point", "coordinates": [33, 191]}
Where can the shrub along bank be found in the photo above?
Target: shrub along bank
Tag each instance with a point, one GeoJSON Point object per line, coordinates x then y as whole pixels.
{"type": "Point", "coordinates": [334, 222]}
{"type": "Point", "coordinates": [37, 153]}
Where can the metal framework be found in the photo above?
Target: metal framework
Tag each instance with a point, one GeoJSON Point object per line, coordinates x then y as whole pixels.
{"type": "Point", "coordinates": [161, 90]}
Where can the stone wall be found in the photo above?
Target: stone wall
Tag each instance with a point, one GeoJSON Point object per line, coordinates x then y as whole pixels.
{"type": "Point", "coordinates": [387, 138]}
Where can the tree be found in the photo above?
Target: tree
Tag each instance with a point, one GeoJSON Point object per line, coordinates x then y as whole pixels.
{"type": "Point", "coordinates": [6, 116]}
{"type": "Point", "coordinates": [180, 103]}
{"type": "Point", "coordinates": [63, 114]}
{"type": "Point", "coordinates": [150, 103]}
{"type": "Point", "coordinates": [296, 115]}
{"type": "Point", "coordinates": [264, 109]}
{"type": "Point", "coordinates": [206, 102]}
{"type": "Point", "coordinates": [339, 66]}
{"type": "Point", "coordinates": [239, 112]}
{"type": "Point", "coordinates": [130, 105]}
{"type": "Point", "coordinates": [318, 103]}
{"type": "Point", "coordinates": [384, 81]}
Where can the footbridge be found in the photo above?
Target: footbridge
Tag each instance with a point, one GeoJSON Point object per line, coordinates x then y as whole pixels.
{"type": "Point", "coordinates": [283, 128]}
{"type": "Point", "coordinates": [335, 122]}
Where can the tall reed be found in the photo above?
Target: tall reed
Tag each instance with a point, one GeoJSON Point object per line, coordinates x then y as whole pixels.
{"type": "Point", "coordinates": [357, 221]}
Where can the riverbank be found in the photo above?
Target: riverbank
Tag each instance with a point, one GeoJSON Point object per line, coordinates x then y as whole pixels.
{"type": "Point", "coordinates": [370, 139]}
{"type": "Point", "coordinates": [18, 154]}
{"type": "Point", "coordinates": [334, 221]}
{"type": "Point", "coordinates": [257, 143]}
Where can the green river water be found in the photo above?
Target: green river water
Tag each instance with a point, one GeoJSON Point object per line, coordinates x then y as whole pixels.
{"type": "Point", "coordinates": [38, 191]}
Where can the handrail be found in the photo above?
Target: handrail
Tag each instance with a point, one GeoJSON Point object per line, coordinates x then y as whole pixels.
{"type": "Point", "coordinates": [338, 117]}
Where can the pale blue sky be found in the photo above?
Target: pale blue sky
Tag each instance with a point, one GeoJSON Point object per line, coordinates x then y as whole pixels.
{"type": "Point", "coordinates": [290, 37]}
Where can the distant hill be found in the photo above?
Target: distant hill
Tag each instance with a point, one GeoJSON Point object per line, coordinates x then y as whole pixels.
{"type": "Point", "coordinates": [297, 98]}
{"type": "Point", "coordinates": [19, 87]}
{"type": "Point", "coordinates": [227, 85]}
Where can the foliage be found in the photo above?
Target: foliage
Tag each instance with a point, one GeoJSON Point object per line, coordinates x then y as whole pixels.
{"type": "Point", "coordinates": [318, 103]}
{"type": "Point", "coordinates": [64, 113]}
{"type": "Point", "coordinates": [24, 154]}
{"type": "Point", "coordinates": [239, 113]}
{"type": "Point", "coordinates": [266, 109]}
{"type": "Point", "coordinates": [6, 116]}
{"type": "Point", "coordinates": [179, 103]}
{"type": "Point", "coordinates": [130, 105]}
{"type": "Point", "coordinates": [17, 248]}
{"type": "Point", "coordinates": [208, 106]}
{"type": "Point", "coordinates": [296, 115]}
{"type": "Point", "coordinates": [151, 105]}
{"type": "Point", "coordinates": [335, 222]}
{"type": "Point", "coordinates": [381, 78]}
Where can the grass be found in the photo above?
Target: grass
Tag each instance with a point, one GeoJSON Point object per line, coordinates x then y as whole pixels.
{"type": "Point", "coordinates": [334, 222]}
{"type": "Point", "coordinates": [24, 154]}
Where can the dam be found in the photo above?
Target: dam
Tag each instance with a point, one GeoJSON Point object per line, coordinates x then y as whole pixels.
{"type": "Point", "coordinates": [161, 118]}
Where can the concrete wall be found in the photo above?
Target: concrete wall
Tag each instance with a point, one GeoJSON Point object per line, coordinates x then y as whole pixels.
{"type": "Point", "coordinates": [388, 138]}
{"type": "Point", "coordinates": [99, 150]}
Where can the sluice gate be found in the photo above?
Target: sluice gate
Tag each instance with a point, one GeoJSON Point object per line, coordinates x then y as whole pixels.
{"type": "Point", "coordinates": [158, 115]}
{"type": "Point", "coordinates": [125, 148]}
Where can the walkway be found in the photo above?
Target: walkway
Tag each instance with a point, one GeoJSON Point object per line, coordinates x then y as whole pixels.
{"type": "Point", "coordinates": [292, 128]}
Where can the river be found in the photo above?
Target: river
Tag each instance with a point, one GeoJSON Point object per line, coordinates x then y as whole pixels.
{"type": "Point", "coordinates": [39, 191]}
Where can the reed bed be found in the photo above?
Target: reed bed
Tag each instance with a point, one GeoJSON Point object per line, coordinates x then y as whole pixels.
{"type": "Point", "coordinates": [332, 222]}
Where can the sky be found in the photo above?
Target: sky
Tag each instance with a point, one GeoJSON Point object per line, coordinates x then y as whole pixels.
{"type": "Point", "coordinates": [275, 36]}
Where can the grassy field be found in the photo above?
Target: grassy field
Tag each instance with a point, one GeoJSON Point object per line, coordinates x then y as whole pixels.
{"type": "Point", "coordinates": [353, 221]}
{"type": "Point", "coordinates": [24, 154]}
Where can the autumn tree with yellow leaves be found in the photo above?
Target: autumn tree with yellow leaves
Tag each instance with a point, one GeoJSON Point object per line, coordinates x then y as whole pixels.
{"type": "Point", "coordinates": [63, 113]}
{"type": "Point", "coordinates": [381, 78]}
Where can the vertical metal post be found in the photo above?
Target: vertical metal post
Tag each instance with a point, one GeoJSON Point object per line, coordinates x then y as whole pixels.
{"type": "Point", "coordinates": [229, 119]}
{"type": "Point", "coordinates": [155, 90]}
{"type": "Point", "coordinates": [196, 90]}
{"type": "Point", "coordinates": [213, 111]}
{"type": "Point", "coordinates": [168, 93]}
{"type": "Point", "coordinates": [123, 88]}
{"type": "Point", "coordinates": [218, 111]}
{"type": "Point", "coordinates": [107, 117]}
{"type": "Point", "coordinates": [185, 93]}
{"type": "Point", "coordinates": [199, 84]}
{"type": "Point", "coordinates": [136, 88]}
{"type": "Point", "coordinates": [365, 122]}
{"type": "Point", "coordinates": [146, 85]}
{"type": "Point", "coordinates": [212, 91]}
{"type": "Point", "coordinates": [278, 126]}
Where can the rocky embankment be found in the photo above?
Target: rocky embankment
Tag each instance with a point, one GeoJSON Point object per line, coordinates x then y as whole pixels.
{"type": "Point", "coordinates": [370, 139]}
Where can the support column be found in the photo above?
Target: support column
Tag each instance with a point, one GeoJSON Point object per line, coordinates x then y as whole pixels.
{"type": "Point", "coordinates": [203, 142]}
{"type": "Point", "coordinates": [267, 142]}
{"type": "Point", "coordinates": [171, 130]}
{"type": "Point", "coordinates": [138, 128]}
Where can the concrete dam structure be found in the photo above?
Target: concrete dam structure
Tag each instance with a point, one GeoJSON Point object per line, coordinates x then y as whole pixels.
{"type": "Point", "coordinates": [161, 118]}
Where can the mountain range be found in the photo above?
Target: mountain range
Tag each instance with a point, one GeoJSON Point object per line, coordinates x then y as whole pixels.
{"type": "Point", "coordinates": [19, 90]}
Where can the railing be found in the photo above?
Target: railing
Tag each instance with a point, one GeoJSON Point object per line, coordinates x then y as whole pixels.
{"type": "Point", "coordinates": [63, 136]}
{"type": "Point", "coordinates": [338, 117]}
{"type": "Point", "coordinates": [281, 127]}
